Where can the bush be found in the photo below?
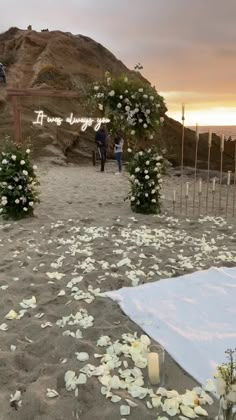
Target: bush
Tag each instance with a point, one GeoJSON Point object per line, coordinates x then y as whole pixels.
{"type": "Point", "coordinates": [146, 169]}
{"type": "Point", "coordinates": [132, 106]}
{"type": "Point", "coordinates": [18, 182]}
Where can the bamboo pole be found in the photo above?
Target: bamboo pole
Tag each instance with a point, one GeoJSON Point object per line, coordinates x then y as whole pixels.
{"type": "Point", "coordinates": [221, 168]}
{"type": "Point", "coordinates": [195, 166]}
{"type": "Point", "coordinates": [182, 159]}
{"type": "Point", "coordinates": [208, 168]}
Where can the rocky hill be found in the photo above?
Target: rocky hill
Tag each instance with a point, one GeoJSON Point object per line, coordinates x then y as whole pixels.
{"type": "Point", "coordinates": [64, 61]}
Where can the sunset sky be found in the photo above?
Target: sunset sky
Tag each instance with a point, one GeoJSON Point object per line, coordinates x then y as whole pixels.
{"type": "Point", "coordinates": [187, 47]}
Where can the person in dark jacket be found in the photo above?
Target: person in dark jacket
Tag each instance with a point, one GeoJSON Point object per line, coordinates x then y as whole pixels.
{"type": "Point", "coordinates": [101, 142]}
{"type": "Point", "coordinates": [2, 74]}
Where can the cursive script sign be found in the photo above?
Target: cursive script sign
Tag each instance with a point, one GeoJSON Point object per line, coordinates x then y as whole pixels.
{"type": "Point", "coordinates": [85, 122]}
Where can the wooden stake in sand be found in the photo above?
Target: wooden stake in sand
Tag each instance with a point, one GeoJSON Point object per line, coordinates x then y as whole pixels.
{"type": "Point", "coordinates": [228, 190]}
{"type": "Point", "coordinates": [234, 197]}
{"type": "Point", "coordinates": [174, 201]}
{"type": "Point", "coordinates": [186, 198]}
{"type": "Point", "coordinates": [208, 168]}
{"type": "Point", "coordinates": [222, 146]}
{"type": "Point", "coordinates": [195, 166]}
{"type": "Point", "coordinates": [213, 193]}
{"type": "Point", "coordinates": [199, 197]}
{"type": "Point", "coordinates": [182, 160]}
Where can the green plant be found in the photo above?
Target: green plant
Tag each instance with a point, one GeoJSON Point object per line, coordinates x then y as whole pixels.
{"type": "Point", "coordinates": [133, 107]}
{"type": "Point", "coordinates": [18, 182]}
{"type": "Point", "coordinates": [145, 169]}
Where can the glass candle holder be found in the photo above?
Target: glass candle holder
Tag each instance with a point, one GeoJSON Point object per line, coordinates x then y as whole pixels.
{"type": "Point", "coordinates": [156, 365]}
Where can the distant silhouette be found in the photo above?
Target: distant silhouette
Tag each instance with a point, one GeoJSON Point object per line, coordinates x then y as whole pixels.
{"type": "Point", "coordinates": [101, 140]}
{"type": "Point", "coordinates": [2, 74]}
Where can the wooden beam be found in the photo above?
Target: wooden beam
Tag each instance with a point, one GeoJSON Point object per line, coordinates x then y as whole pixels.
{"type": "Point", "coordinates": [43, 92]}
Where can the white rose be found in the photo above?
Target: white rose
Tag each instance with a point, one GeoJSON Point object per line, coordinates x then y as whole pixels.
{"type": "Point", "coordinates": [96, 87]}
{"type": "Point", "coordinates": [13, 157]}
{"type": "Point", "coordinates": [129, 150]}
{"type": "Point", "coordinates": [137, 170]}
{"type": "Point", "coordinates": [127, 108]}
{"type": "Point", "coordinates": [100, 106]}
{"type": "Point", "coordinates": [133, 132]}
{"type": "Point", "coordinates": [140, 90]}
{"type": "Point", "coordinates": [28, 151]}
{"type": "Point", "coordinates": [17, 201]}
{"type": "Point", "coordinates": [146, 171]}
{"type": "Point", "coordinates": [148, 111]}
{"type": "Point", "coordinates": [31, 203]}
{"type": "Point", "coordinates": [141, 153]}
{"type": "Point", "coordinates": [10, 187]}
{"type": "Point", "coordinates": [144, 125]}
{"type": "Point", "coordinates": [35, 167]}
{"type": "Point", "coordinates": [158, 105]}
{"type": "Point", "coordinates": [147, 177]}
{"type": "Point", "coordinates": [152, 98]}
{"type": "Point", "coordinates": [5, 162]}
{"type": "Point", "coordinates": [112, 93]}
{"type": "Point", "coordinates": [132, 198]}
{"type": "Point", "coordinates": [147, 163]}
{"type": "Point", "coordinates": [151, 137]}
{"type": "Point", "coordinates": [140, 120]}
{"type": "Point", "coordinates": [119, 105]}
{"type": "Point", "coordinates": [121, 96]}
{"type": "Point", "coordinates": [25, 172]}
{"type": "Point", "coordinates": [20, 187]}
{"type": "Point", "coordinates": [25, 209]}
{"type": "Point", "coordinates": [136, 110]}
{"type": "Point", "coordinates": [22, 162]}
{"type": "Point", "coordinates": [145, 96]}
{"type": "Point", "coordinates": [146, 194]}
{"type": "Point", "coordinates": [153, 200]}
{"type": "Point", "coordinates": [162, 119]}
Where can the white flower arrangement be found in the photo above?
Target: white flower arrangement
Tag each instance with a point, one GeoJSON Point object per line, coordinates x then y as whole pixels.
{"type": "Point", "coordinates": [225, 378]}
{"type": "Point", "coordinates": [131, 106]}
{"type": "Point", "coordinates": [18, 195]}
{"type": "Point", "coordinates": [145, 194]}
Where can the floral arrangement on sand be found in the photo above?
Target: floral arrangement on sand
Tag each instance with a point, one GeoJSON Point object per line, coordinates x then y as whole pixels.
{"type": "Point", "coordinates": [145, 169]}
{"type": "Point", "coordinates": [18, 182]}
{"type": "Point", "coordinates": [133, 107]}
{"type": "Point", "coordinates": [226, 387]}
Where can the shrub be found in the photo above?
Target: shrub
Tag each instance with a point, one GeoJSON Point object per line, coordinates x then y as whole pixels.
{"type": "Point", "coordinates": [18, 182]}
{"type": "Point", "coordinates": [145, 169]}
{"type": "Point", "coordinates": [132, 106]}
{"type": "Point", "coordinates": [52, 76]}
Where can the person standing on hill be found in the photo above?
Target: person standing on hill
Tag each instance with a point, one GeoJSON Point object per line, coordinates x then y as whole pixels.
{"type": "Point", "coordinates": [2, 74]}
{"type": "Point", "coordinates": [101, 140]}
{"type": "Point", "coordinates": [118, 150]}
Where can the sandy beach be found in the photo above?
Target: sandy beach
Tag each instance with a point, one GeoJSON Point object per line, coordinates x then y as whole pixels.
{"type": "Point", "coordinates": [83, 229]}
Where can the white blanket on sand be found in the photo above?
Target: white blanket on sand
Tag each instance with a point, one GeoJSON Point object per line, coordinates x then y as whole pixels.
{"type": "Point", "coordinates": [192, 316]}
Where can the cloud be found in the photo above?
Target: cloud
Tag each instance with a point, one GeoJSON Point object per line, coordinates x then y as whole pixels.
{"type": "Point", "coordinates": [184, 45]}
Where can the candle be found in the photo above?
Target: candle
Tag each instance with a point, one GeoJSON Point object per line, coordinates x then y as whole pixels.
{"type": "Point", "coordinates": [222, 146]}
{"type": "Point", "coordinates": [228, 178]}
{"type": "Point", "coordinates": [153, 368]}
{"type": "Point", "coordinates": [209, 138]}
{"type": "Point", "coordinates": [174, 196]}
{"type": "Point", "coordinates": [183, 112]}
{"type": "Point", "coordinates": [197, 132]}
{"type": "Point", "coordinates": [200, 185]}
{"type": "Point", "coordinates": [214, 184]}
{"type": "Point", "coordinates": [187, 188]}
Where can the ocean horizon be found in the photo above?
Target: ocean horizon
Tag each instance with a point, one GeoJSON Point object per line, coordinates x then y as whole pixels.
{"type": "Point", "coordinates": [227, 130]}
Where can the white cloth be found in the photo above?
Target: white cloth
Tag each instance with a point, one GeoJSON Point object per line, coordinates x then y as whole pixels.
{"type": "Point", "coordinates": [192, 316]}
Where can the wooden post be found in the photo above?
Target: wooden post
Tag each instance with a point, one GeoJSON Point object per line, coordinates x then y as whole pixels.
{"type": "Point", "coordinates": [17, 120]}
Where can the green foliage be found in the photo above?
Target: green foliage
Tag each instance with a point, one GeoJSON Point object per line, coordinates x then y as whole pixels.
{"type": "Point", "coordinates": [18, 183]}
{"type": "Point", "coordinates": [146, 169]}
{"type": "Point", "coordinates": [133, 107]}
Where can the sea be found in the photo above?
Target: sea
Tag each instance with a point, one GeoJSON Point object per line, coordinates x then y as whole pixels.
{"type": "Point", "coordinates": [227, 130]}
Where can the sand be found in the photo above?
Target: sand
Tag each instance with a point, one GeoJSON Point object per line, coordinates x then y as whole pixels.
{"type": "Point", "coordinates": [84, 218]}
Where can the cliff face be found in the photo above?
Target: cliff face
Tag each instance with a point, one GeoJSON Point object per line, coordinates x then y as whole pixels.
{"type": "Point", "coordinates": [64, 61]}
